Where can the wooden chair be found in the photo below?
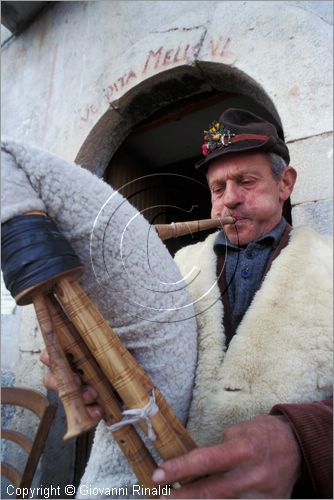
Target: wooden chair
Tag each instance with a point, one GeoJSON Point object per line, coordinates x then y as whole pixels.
{"type": "Point", "coordinates": [37, 403]}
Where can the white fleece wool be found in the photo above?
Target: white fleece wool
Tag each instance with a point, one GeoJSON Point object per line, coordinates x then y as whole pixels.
{"type": "Point", "coordinates": [129, 274]}
{"type": "Point", "coordinates": [282, 351]}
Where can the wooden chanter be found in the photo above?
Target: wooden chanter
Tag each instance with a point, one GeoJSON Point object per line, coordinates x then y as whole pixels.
{"type": "Point", "coordinates": [73, 327]}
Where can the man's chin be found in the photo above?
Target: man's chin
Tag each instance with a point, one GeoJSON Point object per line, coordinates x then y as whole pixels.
{"type": "Point", "coordinates": [239, 233]}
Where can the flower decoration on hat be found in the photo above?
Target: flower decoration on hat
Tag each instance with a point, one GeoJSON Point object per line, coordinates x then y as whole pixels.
{"type": "Point", "coordinates": [217, 136]}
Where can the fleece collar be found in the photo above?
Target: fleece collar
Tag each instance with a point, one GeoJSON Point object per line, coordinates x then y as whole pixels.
{"type": "Point", "coordinates": [282, 351]}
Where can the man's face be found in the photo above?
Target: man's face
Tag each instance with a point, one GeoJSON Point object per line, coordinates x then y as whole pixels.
{"type": "Point", "coordinates": [243, 186]}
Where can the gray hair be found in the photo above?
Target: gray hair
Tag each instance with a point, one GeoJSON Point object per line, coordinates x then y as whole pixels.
{"type": "Point", "coordinates": [277, 165]}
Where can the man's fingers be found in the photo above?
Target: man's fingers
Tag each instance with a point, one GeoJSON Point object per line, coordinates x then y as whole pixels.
{"type": "Point", "coordinates": [238, 483]}
{"type": "Point", "coordinates": [95, 412]}
{"type": "Point", "coordinates": [50, 382]}
{"type": "Point", "coordinates": [215, 486]}
{"type": "Point", "coordinates": [201, 462]}
{"type": "Point", "coordinates": [89, 395]}
{"type": "Point", "coordinates": [44, 357]}
{"type": "Point", "coordinates": [204, 488]}
{"type": "Point", "coordinates": [250, 463]}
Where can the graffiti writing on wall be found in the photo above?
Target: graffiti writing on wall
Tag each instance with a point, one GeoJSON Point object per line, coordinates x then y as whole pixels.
{"type": "Point", "coordinates": [219, 47]}
{"type": "Point", "coordinates": [157, 60]}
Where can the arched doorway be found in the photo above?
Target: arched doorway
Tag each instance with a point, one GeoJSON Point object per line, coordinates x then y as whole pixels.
{"type": "Point", "coordinates": [147, 145]}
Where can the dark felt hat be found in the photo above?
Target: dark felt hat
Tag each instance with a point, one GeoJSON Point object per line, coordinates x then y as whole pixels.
{"type": "Point", "coordinates": [239, 131]}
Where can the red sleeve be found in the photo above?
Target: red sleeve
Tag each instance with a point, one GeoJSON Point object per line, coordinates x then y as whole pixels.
{"type": "Point", "coordinates": [313, 427]}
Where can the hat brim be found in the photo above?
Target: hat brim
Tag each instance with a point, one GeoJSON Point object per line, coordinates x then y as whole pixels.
{"type": "Point", "coordinates": [269, 145]}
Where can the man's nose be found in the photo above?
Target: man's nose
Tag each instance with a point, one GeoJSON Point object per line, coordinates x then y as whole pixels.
{"type": "Point", "coordinates": [232, 195]}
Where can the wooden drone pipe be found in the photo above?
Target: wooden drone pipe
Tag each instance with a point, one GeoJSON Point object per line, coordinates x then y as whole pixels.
{"type": "Point", "coordinates": [139, 458]}
{"type": "Point", "coordinates": [99, 350]}
{"type": "Point", "coordinates": [129, 380]}
{"type": "Point", "coordinates": [78, 419]}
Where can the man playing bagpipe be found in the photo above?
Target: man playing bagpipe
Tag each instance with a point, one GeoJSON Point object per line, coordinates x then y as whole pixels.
{"type": "Point", "coordinates": [258, 362]}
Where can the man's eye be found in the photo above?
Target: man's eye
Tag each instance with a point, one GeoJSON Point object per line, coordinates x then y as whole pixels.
{"type": "Point", "coordinates": [218, 190]}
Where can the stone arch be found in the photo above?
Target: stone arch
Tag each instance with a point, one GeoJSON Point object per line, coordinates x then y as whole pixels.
{"type": "Point", "coordinates": [157, 93]}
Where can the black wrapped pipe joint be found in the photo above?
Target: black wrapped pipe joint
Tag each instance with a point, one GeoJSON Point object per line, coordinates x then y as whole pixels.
{"type": "Point", "coordinates": [34, 256]}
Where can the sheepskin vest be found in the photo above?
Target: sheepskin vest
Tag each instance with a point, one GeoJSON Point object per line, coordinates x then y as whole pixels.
{"type": "Point", "coordinates": [282, 349]}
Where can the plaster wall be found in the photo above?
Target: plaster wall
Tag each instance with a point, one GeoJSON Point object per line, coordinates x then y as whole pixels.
{"type": "Point", "coordinates": [70, 81]}
{"type": "Point", "coordinates": [79, 59]}
{"type": "Point", "coordinates": [83, 62]}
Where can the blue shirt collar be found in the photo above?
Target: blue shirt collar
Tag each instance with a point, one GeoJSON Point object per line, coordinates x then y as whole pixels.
{"type": "Point", "coordinates": [270, 239]}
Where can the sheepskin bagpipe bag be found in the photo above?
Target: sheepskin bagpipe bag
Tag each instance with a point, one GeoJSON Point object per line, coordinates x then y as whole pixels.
{"type": "Point", "coordinates": [129, 274]}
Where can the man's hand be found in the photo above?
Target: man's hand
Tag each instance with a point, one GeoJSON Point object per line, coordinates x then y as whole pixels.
{"type": "Point", "coordinates": [88, 393]}
{"type": "Point", "coordinates": [257, 459]}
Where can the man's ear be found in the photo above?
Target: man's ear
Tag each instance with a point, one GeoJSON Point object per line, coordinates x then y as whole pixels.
{"type": "Point", "coordinates": [287, 182]}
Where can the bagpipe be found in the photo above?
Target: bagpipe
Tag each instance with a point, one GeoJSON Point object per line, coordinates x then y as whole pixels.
{"type": "Point", "coordinates": [78, 337]}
